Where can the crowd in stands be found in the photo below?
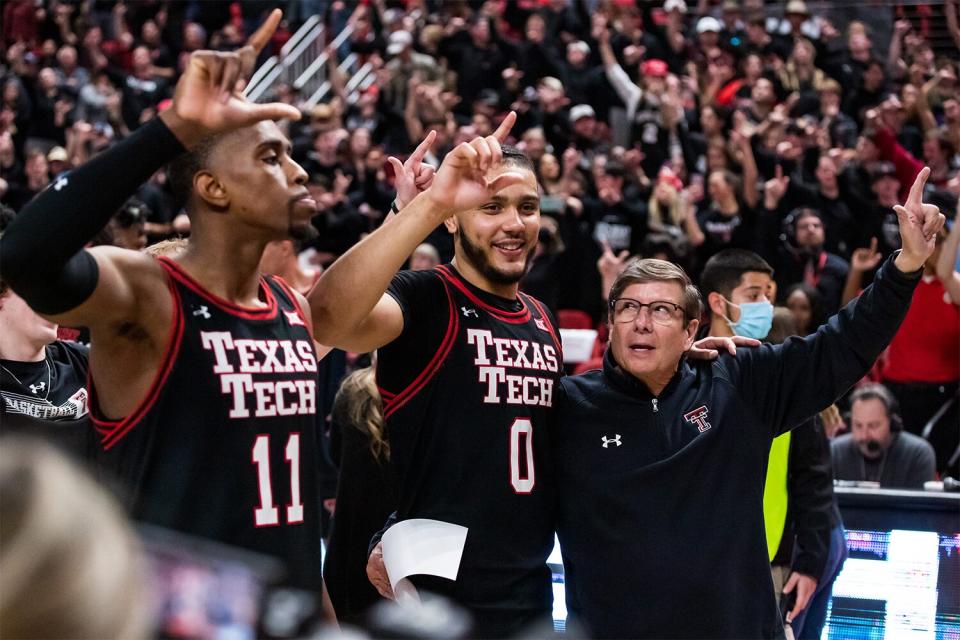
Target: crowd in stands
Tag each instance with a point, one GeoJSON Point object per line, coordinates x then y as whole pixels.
{"type": "Point", "coordinates": [671, 129]}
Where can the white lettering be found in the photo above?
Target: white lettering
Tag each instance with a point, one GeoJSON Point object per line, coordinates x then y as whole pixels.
{"type": "Point", "coordinates": [492, 376]}
{"type": "Point", "coordinates": [219, 341]}
{"type": "Point", "coordinates": [237, 384]}
{"type": "Point", "coordinates": [482, 339]}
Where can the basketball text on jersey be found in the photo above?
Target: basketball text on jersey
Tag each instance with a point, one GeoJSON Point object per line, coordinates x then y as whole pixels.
{"type": "Point", "coordinates": [496, 355]}
{"type": "Point", "coordinates": [236, 362]}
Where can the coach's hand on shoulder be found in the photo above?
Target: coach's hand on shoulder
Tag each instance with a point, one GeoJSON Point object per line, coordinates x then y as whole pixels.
{"type": "Point", "coordinates": [377, 572]}
{"type": "Point", "coordinates": [462, 181]}
{"type": "Point", "coordinates": [709, 348]}
{"type": "Point", "coordinates": [209, 96]}
{"type": "Point", "coordinates": [919, 225]}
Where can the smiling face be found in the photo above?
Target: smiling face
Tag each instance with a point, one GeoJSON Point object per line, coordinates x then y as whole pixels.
{"type": "Point", "coordinates": [494, 242]}
{"type": "Point", "coordinates": [647, 349]}
{"type": "Point", "coordinates": [251, 175]}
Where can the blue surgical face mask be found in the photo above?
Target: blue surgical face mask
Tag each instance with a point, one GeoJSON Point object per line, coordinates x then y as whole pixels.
{"type": "Point", "coordinates": [756, 318]}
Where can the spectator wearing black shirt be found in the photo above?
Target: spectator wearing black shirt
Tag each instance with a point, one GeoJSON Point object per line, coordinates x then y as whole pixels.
{"type": "Point", "coordinates": [877, 449]}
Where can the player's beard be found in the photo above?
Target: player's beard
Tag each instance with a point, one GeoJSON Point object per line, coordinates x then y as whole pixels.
{"type": "Point", "coordinates": [301, 232]}
{"type": "Point", "coordinates": [475, 255]}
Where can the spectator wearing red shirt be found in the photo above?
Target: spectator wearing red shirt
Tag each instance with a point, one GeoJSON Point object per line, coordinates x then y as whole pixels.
{"type": "Point", "coordinates": [921, 368]}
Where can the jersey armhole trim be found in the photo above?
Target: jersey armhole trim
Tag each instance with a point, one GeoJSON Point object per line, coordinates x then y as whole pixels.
{"type": "Point", "coordinates": [113, 430]}
{"type": "Point", "coordinates": [391, 405]}
{"type": "Point", "coordinates": [546, 320]}
{"type": "Point", "coordinates": [295, 301]}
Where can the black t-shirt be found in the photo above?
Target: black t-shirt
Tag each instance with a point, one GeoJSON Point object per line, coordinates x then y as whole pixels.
{"type": "Point", "coordinates": [466, 390]}
{"type": "Point", "coordinates": [53, 389]}
{"type": "Point", "coordinates": [49, 398]}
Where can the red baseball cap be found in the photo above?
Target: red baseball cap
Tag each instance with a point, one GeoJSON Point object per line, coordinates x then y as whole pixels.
{"type": "Point", "coordinates": [654, 67]}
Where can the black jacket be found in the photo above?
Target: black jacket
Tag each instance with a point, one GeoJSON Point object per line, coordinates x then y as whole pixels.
{"type": "Point", "coordinates": [661, 515]}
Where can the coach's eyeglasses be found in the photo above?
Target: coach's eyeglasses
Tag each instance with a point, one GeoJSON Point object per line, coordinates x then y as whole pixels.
{"type": "Point", "coordinates": [661, 311]}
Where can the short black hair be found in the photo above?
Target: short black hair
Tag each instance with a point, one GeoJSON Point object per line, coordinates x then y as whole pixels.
{"type": "Point", "coordinates": [513, 156]}
{"type": "Point", "coordinates": [180, 171]}
{"type": "Point", "coordinates": [724, 271]}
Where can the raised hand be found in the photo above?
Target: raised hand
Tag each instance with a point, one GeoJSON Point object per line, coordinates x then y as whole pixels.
{"type": "Point", "coordinates": [919, 224]}
{"type": "Point", "coordinates": [461, 182]}
{"type": "Point", "coordinates": [208, 98]}
{"type": "Point", "coordinates": [609, 265]}
{"type": "Point", "coordinates": [775, 188]}
{"type": "Point", "coordinates": [865, 258]}
{"type": "Point", "coordinates": [414, 175]}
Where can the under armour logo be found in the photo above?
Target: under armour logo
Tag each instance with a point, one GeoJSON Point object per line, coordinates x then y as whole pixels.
{"type": "Point", "coordinates": [36, 388]}
{"type": "Point", "coordinates": [202, 311]}
{"type": "Point", "coordinates": [540, 324]}
{"type": "Point", "coordinates": [468, 312]}
{"type": "Point", "coordinates": [698, 417]}
{"type": "Point", "coordinates": [608, 441]}
{"type": "Point", "coordinates": [294, 319]}
{"type": "Point", "coordinates": [60, 183]}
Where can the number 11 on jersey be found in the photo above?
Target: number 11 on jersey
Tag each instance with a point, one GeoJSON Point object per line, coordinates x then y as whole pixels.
{"type": "Point", "coordinates": [268, 515]}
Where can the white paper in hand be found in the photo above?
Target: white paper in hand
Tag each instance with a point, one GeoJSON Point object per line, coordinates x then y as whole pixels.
{"type": "Point", "coordinates": [421, 547]}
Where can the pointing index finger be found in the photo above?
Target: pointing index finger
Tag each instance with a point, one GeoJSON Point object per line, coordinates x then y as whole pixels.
{"type": "Point", "coordinates": [413, 162]}
{"type": "Point", "coordinates": [262, 36]}
{"type": "Point", "coordinates": [916, 191]}
{"type": "Point", "coordinates": [504, 129]}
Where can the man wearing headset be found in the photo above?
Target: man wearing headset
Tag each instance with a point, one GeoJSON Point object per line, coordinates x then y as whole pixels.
{"type": "Point", "coordinates": [877, 448]}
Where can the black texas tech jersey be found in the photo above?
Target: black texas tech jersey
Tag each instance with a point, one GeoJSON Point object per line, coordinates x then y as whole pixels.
{"type": "Point", "coordinates": [224, 446]}
{"type": "Point", "coordinates": [466, 390]}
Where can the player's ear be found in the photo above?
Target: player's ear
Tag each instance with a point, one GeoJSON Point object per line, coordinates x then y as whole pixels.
{"type": "Point", "coordinates": [209, 189]}
{"type": "Point", "coordinates": [452, 225]}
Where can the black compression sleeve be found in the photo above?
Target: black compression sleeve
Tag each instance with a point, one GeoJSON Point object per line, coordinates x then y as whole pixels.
{"type": "Point", "coordinates": [41, 252]}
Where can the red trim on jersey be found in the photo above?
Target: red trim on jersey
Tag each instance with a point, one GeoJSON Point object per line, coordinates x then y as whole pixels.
{"type": "Point", "coordinates": [258, 313]}
{"type": "Point", "coordinates": [546, 320]}
{"type": "Point", "coordinates": [386, 395]}
{"type": "Point", "coordinates": [114, 430]}
{"type": "Point", "coordinates": [511, 317]}
{"type": "Point", "coordinates": [295, 301]}
{"type": "Point", "coordinates": [449, 338]}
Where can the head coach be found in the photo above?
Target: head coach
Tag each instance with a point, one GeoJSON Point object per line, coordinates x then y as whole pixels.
{"type": "Point", "coordinates": [661, 460]}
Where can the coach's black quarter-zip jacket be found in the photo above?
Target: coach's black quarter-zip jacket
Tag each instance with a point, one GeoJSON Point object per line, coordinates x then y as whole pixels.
{"type": "Point", "coordinates": [661, 498]}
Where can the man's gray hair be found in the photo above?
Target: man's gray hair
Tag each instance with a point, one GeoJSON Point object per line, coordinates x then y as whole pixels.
{"type": "Point", "coordinates": [640, 271]}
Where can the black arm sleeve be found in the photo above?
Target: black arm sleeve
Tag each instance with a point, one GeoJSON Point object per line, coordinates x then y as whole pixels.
{"type": "Point", "coordinates": [810, 484]}
{"type": "Point", "coordinates": [41, 252]}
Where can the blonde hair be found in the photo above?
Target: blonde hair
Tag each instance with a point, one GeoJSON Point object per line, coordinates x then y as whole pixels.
{"type": "Point", "coordinates": [70, 566]}
{"type": "Point", "coordinates": [676, 211]}
{"type": "Point", "coordinates": [358, 405]}
{"type": "Point", "coordinates": [168, 248]}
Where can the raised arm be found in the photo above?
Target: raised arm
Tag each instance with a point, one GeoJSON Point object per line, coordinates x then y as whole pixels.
{"type": "Point", "coordinates": [350, 308]}
{"type": "Point", "coordinates": [788, 383]}
{"type": "Point", "coordinates": [41, 253]}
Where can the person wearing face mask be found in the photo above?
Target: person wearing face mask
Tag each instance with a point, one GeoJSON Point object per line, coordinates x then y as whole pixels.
{"type": "Point", "coordinates": [877, 449]}
{"type": "Point", "coordinates": [738, 287]}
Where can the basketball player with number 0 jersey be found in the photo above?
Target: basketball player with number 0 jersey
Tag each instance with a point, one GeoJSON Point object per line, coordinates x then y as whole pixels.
{"type": "Point", "coordinates": [467, 368]}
